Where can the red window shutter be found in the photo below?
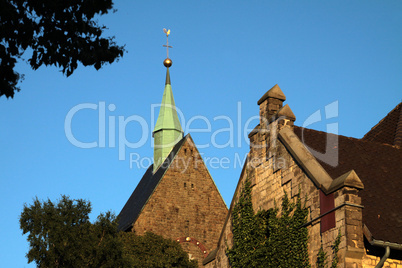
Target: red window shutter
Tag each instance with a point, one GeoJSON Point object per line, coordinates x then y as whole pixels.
{"type": "Point", "coordinates": [327, 203]}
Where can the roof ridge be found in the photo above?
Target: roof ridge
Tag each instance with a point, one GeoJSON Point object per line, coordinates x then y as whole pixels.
{"type": "Point", "coordinates": [327, 132]}
{"type": "Point", "coordinates": [379, 143]}
{"type": "Point", "coordinates": [398, 106]}
{"type": "Point", "coordinates": [353, 138]}
{"type": "Point", "coordinates": [398, 131]}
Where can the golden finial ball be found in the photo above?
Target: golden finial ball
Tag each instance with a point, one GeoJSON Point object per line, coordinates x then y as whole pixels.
{"type": "Point", "coordinates": [167, 62]}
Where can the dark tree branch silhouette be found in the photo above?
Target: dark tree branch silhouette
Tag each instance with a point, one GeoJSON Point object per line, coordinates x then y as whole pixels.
{"type": "Point", "coordinates": [58, 32]}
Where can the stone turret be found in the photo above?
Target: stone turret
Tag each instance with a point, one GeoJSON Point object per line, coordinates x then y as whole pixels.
{"type": "Point", "coordinates": [271, 102]}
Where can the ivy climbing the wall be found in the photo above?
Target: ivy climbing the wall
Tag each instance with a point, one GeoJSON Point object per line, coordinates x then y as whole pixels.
{"type": "Point", "coordinates": [271, 238]}
{"type": "Point", "coordinates": [322, 255]}
{"type": "Point", "coordinates": [335, 249]}
{"type": "Point", "coordinates": [322, 258]}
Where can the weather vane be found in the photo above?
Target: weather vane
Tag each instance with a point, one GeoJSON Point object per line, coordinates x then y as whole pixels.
{"type": "Point", "coordinates": [167, 62]}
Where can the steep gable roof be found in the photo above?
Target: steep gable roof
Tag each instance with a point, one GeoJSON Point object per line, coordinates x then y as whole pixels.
{"type": "Point", "coordinates": [379, 166]}
{"type": "Point", "coordinates": [387, 130]}
{"type": "Point", "coordinates": [144, 190]}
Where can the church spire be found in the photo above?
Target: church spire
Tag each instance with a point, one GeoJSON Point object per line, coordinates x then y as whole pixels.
{"type": "Point", "coordinates": [167, 130]}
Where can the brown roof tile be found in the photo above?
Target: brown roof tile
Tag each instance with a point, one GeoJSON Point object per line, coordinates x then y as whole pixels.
{"type": "Point", "coordinates": [379, 166]}
{"type": "Point", "coordinates": [386, 131]}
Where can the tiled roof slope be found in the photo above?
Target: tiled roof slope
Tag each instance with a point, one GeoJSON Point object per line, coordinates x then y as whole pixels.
{"type": "Point", "coordinates": [132, 209]}
{"type": "Point", "coordinates": [387, 129]}
{"type": "Point", "coordinates": [379, 166]}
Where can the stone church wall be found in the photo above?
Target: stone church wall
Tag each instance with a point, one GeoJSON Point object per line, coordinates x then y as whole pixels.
{"type": "Point", "coordinates": [186, 205]}
{"type": "Point", "coordinates": [370, 261]}
{"type": "Point", "coordinates": [273, 170]}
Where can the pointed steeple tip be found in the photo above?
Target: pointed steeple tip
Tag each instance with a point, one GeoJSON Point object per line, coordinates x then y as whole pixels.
{"type": "Point", "coordinates": [275, 92]}
{"type": "Point", "coordinates": [167, 82]}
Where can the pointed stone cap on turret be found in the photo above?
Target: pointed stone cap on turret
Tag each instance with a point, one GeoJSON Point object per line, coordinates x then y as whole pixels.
{"type": "Point", "coordinates": [275, 92]}
{"type": "Point", "coordinates": [349, 179]}
{"type": "Point", "coordinates": [285, 111]}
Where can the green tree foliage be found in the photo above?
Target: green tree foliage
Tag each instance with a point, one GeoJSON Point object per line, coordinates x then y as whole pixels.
{"type": "Point", "coordinates": [268, 238]}
{"type": "Point", "coordinates": [151, 250]}
{"type": "Point", "coordinates": [61, 235]}
{"type": "Point", "coordinates": [57, 32]}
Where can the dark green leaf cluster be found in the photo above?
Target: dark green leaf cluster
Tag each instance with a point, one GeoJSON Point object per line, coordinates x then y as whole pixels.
{"type": "Point", "coordinates": [151, 250]}
{"type": "Point", "coordinates": [268, 238]}
{"type": "Point", "coordinates": [60, 33]}
{"type": "Point", "coordinates": [322, 258]}
{"type": "Point", "coordinates": [61, 235]}
{"type": "Point", "coordinates": [288, 241]}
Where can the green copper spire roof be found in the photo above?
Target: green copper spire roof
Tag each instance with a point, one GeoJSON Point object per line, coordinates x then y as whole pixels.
{"type": "Point", "coordinates": [168, 118]}
{"type": "Point", "coordinates": [168, 131]}
{"type": "Point", "coordinates": [167, 77]}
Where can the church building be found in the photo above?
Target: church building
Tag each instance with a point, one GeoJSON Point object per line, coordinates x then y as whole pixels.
{"type": "Point", "coordinates": [176, 197]}
{"type": "Point", "coordinates": [350, 186]}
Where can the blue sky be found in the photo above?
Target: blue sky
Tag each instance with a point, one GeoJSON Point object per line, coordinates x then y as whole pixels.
{"type": "Point", "coordinates": [226, 55]}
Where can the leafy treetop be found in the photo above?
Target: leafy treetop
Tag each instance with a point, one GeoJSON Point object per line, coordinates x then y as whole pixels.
{"type": "Point", "coordinates": [151, 250]}
{"type": "Point", "coordinates": [61, 235]}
